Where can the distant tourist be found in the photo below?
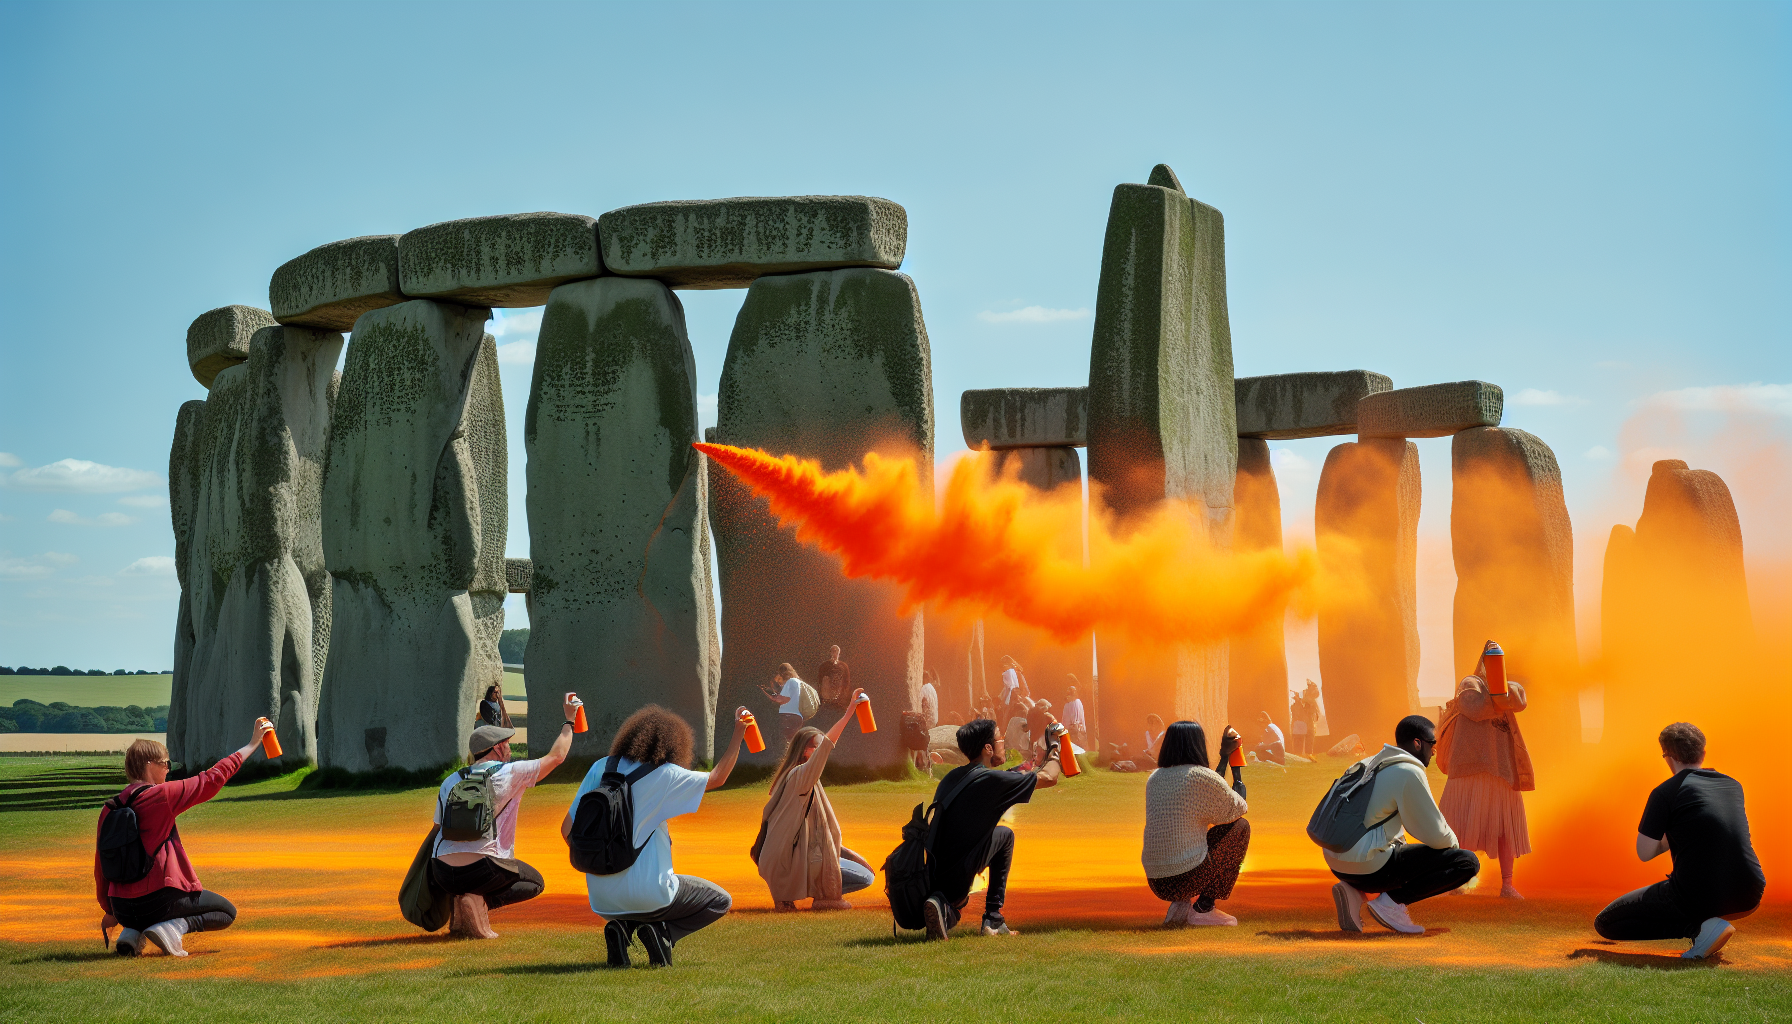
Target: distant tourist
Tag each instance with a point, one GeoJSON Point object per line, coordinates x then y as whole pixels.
{"type": "Point", "coordinates": [1075, 719]}
{"type": "Point", "coordinates": [786, 691]}
{"type": "Point", "coordinates": [799, 851]}
{"type": "Point", "coordinates": [833, 680]}
{"type": "Point", "coordinates": [1195, 831]}
{"type": "Point", "coordinates": [1383, 873]}
{"type": "Point", "coordinates": [1481, 750]}
{"type": "Point", "coordinates": [1016, 695]}
{"type": "Point", "coordinates": [648, 900]}
{"type": "Point", "coordinates": [1146, 758]}
{"type": "Point", "coordinates": [491, 709]}
{"type": "Point", "coordinates": [967, 834]}
{"type": "Point", "coordinates": [1697, 816]}
{"type": "Point", "coordinates": [477, 809]}
{"type": "Point", "coordinates": [1270, 745]}
{"type": "Point", "coordinates": [1306, 719]}
{"type": "Point", "coordinates": [930, 713]}
{"type": "Point", "coordinates": [145, 883]}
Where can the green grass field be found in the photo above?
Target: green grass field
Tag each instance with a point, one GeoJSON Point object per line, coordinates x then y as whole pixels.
{"type": "Point", "coordinates": [315, 876]}
{"type": "Point", "coordinates": [88, 691]}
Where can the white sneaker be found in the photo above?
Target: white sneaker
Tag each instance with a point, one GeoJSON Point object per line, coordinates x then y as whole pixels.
{"type": "Point", "coordinates": [1177, 915]}
{"type": "Point", "coordinates": [1393, 915]}
{"type": "Point", "coordinates": [1712, 935]}
{"type": "Point", "coordinates": [165, 937]}
{"type": "Point", "coordinates": [1349, 902]}
{"type": "Point", "coordinates": [130, 942]}
{"type": "Point", "coordinates": [1212, 918]}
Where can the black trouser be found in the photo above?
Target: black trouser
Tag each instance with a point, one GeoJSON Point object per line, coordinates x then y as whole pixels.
{"type": "Point", "coordinates": [1416, 872]}
{"type": "Point", "coordinates": [998, 860]}
{"type": "Point", "coordinates": [205, 911]}
{"type": "Point", "coordinates": [501, 881]}
{"type": "Point", "coordinates": [699, 904]}
{"type": "Point", "coordinates": [1652, 912]}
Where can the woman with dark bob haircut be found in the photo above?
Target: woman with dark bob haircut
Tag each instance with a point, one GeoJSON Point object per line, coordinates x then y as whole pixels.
{"type": "Point", "coordinates": [1195, 832]}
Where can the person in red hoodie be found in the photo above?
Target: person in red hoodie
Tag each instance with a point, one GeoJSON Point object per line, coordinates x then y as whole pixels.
{"type": "Point", "coordinates": [169, 901]}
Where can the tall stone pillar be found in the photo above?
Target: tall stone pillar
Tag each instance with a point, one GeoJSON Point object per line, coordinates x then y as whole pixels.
{"type": "Point", "coordinates": [621, 607]}
{"type": "Point", "coordinates": [1162, 421]}
{"type": "Point", "coordinates": [1514, 552]}
{"type": "Point", "coordinates": [1366, 519]}
{"type": "Point", "coordinates": [257, 593]}
{"type": "Point", "coordinates": [415, 514]}
{"type": "Point", "coordinates": [183, 485]}
{"type": "Point", "coordinates": [1258, 660]}
{"type": "Point", "coordinates": [827, 365]}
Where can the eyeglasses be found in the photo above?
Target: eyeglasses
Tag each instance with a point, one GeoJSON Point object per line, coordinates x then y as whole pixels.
{"type": "Point", "coordinates": [164, 762]}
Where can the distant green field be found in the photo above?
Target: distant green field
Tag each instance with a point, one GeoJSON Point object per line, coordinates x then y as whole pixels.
{"type": "Point", "coordinates": [88, 691]}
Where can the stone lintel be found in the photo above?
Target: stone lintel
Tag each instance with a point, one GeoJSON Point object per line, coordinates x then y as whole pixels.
{"type": "Point", "coordinates": [1284, 406]}
{"type": "Point", "coordinates": [997, 418]}
{"type": "Point", "coordinates": [729, 243]}
{"type": "Point", "coordinates": [1434, 410]}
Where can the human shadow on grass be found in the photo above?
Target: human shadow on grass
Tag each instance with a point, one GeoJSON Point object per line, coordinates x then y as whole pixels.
{"type": "Point", "coordinates": [394, 940]}
{"type": "Point", "coordinates": [1339, 935]}
{"type": "Point", "coordinates": [1646, 961]}
{"type": "Point", "coordinates": [68, 957]}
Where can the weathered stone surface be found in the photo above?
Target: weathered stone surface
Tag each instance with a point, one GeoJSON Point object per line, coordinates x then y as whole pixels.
{"type": "Point", "coordinates": [729, 243]}
{"type": "Point", "coordinates": [514, 259]}
{"type": "Point", "coordinates": [1513, 547]}
{"type": "Point", "coordinates": [333, 284]}
{"type": "Point", "coordinates": [1163, 177]}
{"type": "Point", "coordinates": [519, 574]}
{"type": "Point", "coordinates": [183, 487]}
{"type": "Point", "coordinates": [220, 338]}
{"type": "Point", "coordinates": [1162, 413]}
{"type": "Point", "coordinates": [1257, 660]}
{"type": "Point", "coordinates": [1435, 410]}
{"type": "Point", "coordinates": [414, 519]}
{"type": "Point", "coordinates": [1293, 405]}
{"type": "Point", "coordinates": [828, 366]}
{"type": "Point", "coordinates": [257, 591]}
{"type": "Point", "coordinates": [621, 607]}
{"type": "Point", "coordinates": [1366, 518]}
{"type": "Point", "coordinates": [997, 418]}
{"type": "Point", "coordinates": [1044, 468]}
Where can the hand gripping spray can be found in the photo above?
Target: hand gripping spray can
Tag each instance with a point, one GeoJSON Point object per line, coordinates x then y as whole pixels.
{"type": "Point", "coordinates": [1067, 762]}
{"type": "Point", "coordinates": [1495, 659]}
{"type": "Point", "coordinates": [578, 714]}
{"type": "Point", "coordinates": [755, 739]}
{"type": "Point", "coordinates": [867, 723]}
{"type": "Point", "coordinates": [270, 743]}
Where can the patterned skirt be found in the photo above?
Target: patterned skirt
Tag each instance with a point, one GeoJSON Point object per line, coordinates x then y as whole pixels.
{"type": "Point", "coordinates": [1215, 876]}
{"type": "Point", "coordinates": [1480, 809]}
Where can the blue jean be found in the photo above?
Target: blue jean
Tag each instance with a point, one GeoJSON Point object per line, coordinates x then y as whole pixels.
{"type": "Point", "coordinates": [854, 876]}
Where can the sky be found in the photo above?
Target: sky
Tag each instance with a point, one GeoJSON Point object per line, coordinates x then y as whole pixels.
{"type": "Point", "coordinates": [1586, 204]}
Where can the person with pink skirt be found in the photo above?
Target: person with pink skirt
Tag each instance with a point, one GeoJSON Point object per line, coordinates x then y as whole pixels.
{"type": "Point", "coordinates": [1482, 751]}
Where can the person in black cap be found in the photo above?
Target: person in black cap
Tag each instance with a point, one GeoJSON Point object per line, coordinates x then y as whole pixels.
{"type": "Point", "coordinates": [479, 870]}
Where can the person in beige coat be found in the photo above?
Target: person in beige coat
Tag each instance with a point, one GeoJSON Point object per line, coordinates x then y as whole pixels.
{"type": "Point", "coordinates": [1481, 750]}
{"type": "Point", "coordinates": [800, 854]}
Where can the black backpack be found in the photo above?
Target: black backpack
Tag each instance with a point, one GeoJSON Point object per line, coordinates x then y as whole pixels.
{"type": "Point", "coordinates": [908, 877]}
{"type": "Point", "coordinates": [122, 856]}
{"type": "Point", "coordinates": [602, 840]}
{"type": "Point", "coordinates": [1337, 823]}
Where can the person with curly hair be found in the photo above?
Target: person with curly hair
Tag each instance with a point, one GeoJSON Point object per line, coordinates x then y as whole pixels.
{"type": "Point", "coordinates": [649, 900]}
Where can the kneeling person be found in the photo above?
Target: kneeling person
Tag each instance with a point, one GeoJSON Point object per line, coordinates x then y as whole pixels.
{"type": "Point", "coordinates": [967, 834]}
{"type": "Point", "coordinates": [477, 810]}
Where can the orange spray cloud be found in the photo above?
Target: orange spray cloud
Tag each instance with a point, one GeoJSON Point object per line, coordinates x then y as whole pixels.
{"type": "Point", "coordinates": [999, 546]}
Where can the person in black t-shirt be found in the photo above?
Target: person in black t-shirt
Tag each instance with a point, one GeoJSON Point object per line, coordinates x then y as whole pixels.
{"type": "Point", "coordinates": [1697, 816]}
{"type": "Point", "coordinates": [967, 834]}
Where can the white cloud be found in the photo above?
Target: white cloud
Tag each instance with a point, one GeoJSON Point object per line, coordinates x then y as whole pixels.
{"type": "Point", "coordinates": [154, 565]}
{"type": "Point", "coordinates": [514, 325]}
{"type": "Point", "coordinates": [1290, 466]}
{"type": "Point", "coordinates": [9, 459]}
{"type": "Point", "coordinates": [1031, 315]}
{"type": "Point", "coordinates": [1772, 399]}
{"type": "Point", "coordinates": [143, 501]}
{"type": "Point", "coordinates": [79, 476]}
{"type": "Point", "coordinates": [63, 515]}
{"type": "Point", "coordinates": [40, 567]}
{"type": "Point", "coordinates": [517, 353]}
{"type": "Point", "coordinates": [1599, 453]}
{"type": "Point", "coordinates": [1532, 396]}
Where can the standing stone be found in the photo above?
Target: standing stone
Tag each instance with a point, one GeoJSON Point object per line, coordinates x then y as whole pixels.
{"type": "Point", "coordinates": [621, 608]}
{"type": "Point", "coordinates": [220, 338]}
{"type": "Point", "coordinates": [259, 604]}
{"type": "Point", "coordinates": [1294, 405]}
{"type": "Point", "coordinates": [415, 514]}
{"type": "Point", "coordinates": [1258, 660]}
{"type": "Point", "coordinates": [1689, 541]}
{"type": "Point", "coordinates": [1163, 419]}
{"type": "Point", "coordinates": [1514, 552]}
{"type": "Point", "coordinates": [183, 487]}
{"type": "Point", "coordinates": [332, 285]}
{"type": "Point", "coordinates": [730, 243]}
{"type": "Point", "coordinates": [1366, 519]}
{"type": "Point", "coordinates": [828, 366]}
{"type": "Point", "coordinates": [512, 259]}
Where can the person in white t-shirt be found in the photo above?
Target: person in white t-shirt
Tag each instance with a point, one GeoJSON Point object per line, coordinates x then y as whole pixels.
{"type": "Point", "coordinates": [1017, 697]}
{"type": "Point", "coordinates": [930, 714]}
{"type": "Point", "coordinates": [482, 873]}
{"type": "Point", "coordinates": [1270, 746]}
{"type": "Point", "coordinates": [1074, 718]}
{"type": "Point", "coordinates": [786, 691]}
{"type": "Point", "coordinates": [649, 900]}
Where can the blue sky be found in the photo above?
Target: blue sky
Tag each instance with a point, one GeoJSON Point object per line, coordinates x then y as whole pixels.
{"type": "Point", "coordinates": [1586, 204]}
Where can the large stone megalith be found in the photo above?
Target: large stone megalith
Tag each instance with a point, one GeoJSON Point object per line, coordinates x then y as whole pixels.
{"type": "Point", "coordinates": [183, 484]}
{"type": "Point", "coordinates": [827, 365]}
{"type": "Point", "coordinates": [1514, 552]}
{"type": "Point", "coordinates": [415, 513]}
{"type": "Point", "coordinates": [1366, 520]}
{"type": "Point", "coordinates": [258, 598]}
{"type": "Point", "coordinates": [620, 609]}
{"type": "Point", "coordinates": [1258, 660]}
{"type": "Point", "coordinates": [1162, 420]}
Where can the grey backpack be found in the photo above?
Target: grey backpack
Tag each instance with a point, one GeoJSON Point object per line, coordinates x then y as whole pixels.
{"type": "Point", "coordinates": [470, 811]}
{"type": "Point", "coordinates": [1337, 823]}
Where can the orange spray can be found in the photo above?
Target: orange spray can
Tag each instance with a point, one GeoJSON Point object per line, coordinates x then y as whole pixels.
{"type": "Point", "coordinates": [1067, 755]}
{"type": "Point", "coordinates": [867, 723]}
{"type": "Point", "coordinates": [755, 739]}
{"type": "Point", "coordinates": [270, 743]}
{"type": "Point", "coordinates": [1495, 659]}
{"type": "Point", "coordinates": [1237, 758]}
{"type": "Point", "coordinates": [578, 715]}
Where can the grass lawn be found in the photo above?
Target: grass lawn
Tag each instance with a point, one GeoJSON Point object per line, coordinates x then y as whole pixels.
{"type": "Point", "coordinates": [315, 876]}
{"type": "Point", "coordinates": [88, 691]}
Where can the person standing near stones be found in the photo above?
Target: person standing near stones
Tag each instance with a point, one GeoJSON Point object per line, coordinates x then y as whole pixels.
{"type": "Point", "coordinates": [1016, 695]}
{"type": "Point", "coordinates": [833, 681]}
{"type": "Point", "coordinates": [786, 691]}
{"type": "Point", "coordinates": [1075, 719]}
{"type": "Point", "coordinates": [492, 710]}
{"type": "Point", "coordinates": [930, 713]}
{"type": "Point", "coordinates": [1482, 751]}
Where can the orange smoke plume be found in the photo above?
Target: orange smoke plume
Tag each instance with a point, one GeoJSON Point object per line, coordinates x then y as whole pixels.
{"type": "Point", "coordinates": [996, 545]}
